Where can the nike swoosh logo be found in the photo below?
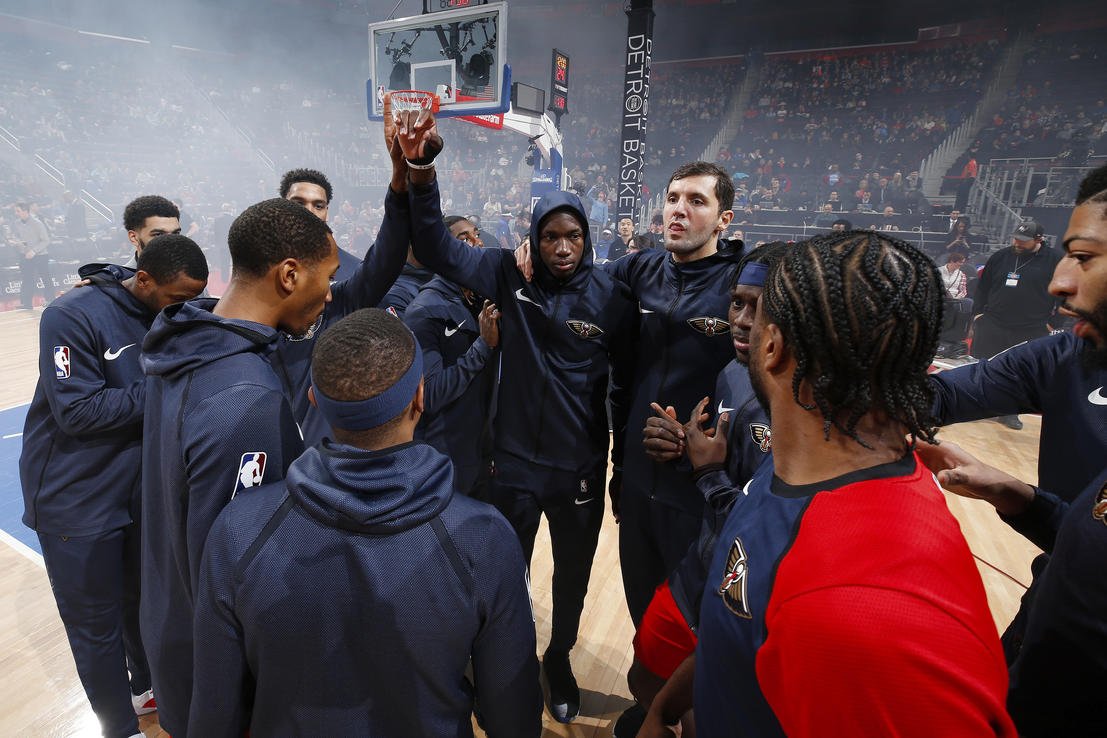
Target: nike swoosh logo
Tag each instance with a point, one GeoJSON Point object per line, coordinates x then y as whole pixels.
{"type": "Point", "coordinates": [724, 409]}
{"type": "Point", "coordinates": [643, 310]}
{"type": "Point", "coordinates": [519, 294]}
{"type": "Point", "coordinates": [1097, 398]}
{"type": "Point", "coordinates": [583, 502]}
{"type": "Point", "coordinates": [113, 355]}
{"type": "Point", "coordinates": [455, 330]}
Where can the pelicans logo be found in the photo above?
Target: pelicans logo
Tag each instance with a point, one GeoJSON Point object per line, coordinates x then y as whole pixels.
{"type": "Point", "coordinates": [710, 326]}
{"type": "Point", "coordinates": [1099, 509]}
{"type": "Point", "coordinates": [762, 436]}
{"type": "Point", "coordinates": [733, 587]}
{"type": "Point", "coordinates": [583, 329]}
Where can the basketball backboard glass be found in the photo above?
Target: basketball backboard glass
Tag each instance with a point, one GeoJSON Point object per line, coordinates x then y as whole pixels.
{"type": "Point", "coordinates": [461, 55]}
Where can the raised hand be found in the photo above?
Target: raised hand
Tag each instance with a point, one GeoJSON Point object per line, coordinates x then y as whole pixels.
{"type": "Point", "coordinates": [417, 134]}
{"type": "Point", "coordinates": [391, 129]}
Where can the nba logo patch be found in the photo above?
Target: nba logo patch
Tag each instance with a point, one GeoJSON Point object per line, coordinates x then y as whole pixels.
{"type": "Point", "coordinates": [392, 311]}
{"type": "Point", "coordinates": [61, 362]}
{"type": "Point", "coordinates": [251, 470]}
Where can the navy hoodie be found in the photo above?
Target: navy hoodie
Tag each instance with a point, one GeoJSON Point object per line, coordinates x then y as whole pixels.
{"type": "Point", "coordinates": [1041, 376]}
{"type": "Point", "coordinates": [684, 343]}
{"type": "Point", "coordinates": [217, 421]}
{"type": "Point", "coordinates": [82, 440]}
{"type": "Point", "coordinates": [349, 600]}
{"type": "Point", "coordinates": [363, 288]}
{"type": "Point", "coordinates": [558, 340]}
{"type": "Point", "coordinates": [459, 374]}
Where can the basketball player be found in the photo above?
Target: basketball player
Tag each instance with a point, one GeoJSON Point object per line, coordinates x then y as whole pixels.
{"type": "Point", "coordinates": [1056, 646]}
{"type": "Point", "coordinates": [842, 596]}
{"type": "Point", "coordinates": [683, 294]}
{"type": "Point", "coordinates": [683, 297]}
{"type": "Point", "coordinates": [420, 582]}
{"type": "Point", "coordinates": [80, 464]}
{"type": "Point", "coordinates": [215, 407]}
{"type": "Point", "coordinates": [366, 282]}
{"type": "Point", "coordinates": [312, 189]}
{"type": "Point", "coordinates": [561, 336]}
{"type": "Point", "coordinates": [458, 331]}
{"type": "Point", "coordinates": [1049, 376]}
{"type": "Point", "coordinates": [148, 217]}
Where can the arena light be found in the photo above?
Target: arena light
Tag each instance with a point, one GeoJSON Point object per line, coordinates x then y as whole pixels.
{"type": "Point", "coordinates": [114, 37]}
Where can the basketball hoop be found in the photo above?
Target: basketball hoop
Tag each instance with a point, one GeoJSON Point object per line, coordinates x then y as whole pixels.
{"type": "Point", "coordinates": [420, 100]}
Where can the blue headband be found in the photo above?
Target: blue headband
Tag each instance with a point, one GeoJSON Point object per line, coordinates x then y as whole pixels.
{"type": "Point", "coordinates": [359, 415]}
{"type": "Point", "coordinates": [754, 274]}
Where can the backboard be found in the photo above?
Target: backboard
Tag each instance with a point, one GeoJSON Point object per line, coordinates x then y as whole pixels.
{"type": "Point", "coordinates": [459, 54]}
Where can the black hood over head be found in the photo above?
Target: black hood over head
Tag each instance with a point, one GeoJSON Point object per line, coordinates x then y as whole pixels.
{"type": "Point", "coordinates": [552, 202]}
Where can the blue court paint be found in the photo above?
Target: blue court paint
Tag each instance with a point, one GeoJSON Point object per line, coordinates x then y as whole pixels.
{"type": "Point", "coordinates": [11, 495]}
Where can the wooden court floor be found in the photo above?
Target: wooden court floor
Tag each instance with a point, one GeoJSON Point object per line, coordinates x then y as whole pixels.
{"type": "Point", "coordinates": [40, 694]}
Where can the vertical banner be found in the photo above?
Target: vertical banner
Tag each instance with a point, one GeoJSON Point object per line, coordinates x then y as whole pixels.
{"type": "Point", "coordinates": [636, 92]}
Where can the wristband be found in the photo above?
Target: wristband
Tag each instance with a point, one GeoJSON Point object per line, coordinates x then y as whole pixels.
{"type": "Point", "coordinates": [417, 166]}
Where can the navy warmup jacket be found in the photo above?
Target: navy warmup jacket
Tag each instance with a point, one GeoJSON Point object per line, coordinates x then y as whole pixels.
{"type": "Point", "coordinates": [82, 440]}
{"type": "Point", "coordinates": [459, 373]}
{"type": "Point", "coordinates": [684, 343]}
{"type": "Point", "coordinates": [217, 421]}
{"type": "Point", "coordinates": [1057, 644]}
{"type": "Point", "coordinates": [557, 340]}
{"type": "Point", "coordinates": [363, 288]}
{"type": "Point", "coordinates": [1041, 376]}
{"type": "Point", "coordinates": [349, 600]}
{"type": "Point", "coordinates": [748, 444]}
{"type": "Point", "coordinates": [407, 286]}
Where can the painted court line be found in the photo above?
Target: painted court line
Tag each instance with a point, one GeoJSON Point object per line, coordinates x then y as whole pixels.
{"type": "Point", "coordinates": [10, 435]}
{"type": "Point", "coordinates": [22, 548]}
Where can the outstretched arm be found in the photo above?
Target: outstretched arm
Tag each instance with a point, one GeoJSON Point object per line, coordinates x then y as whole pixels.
{"type": "Point", "coordinates": [384, 260]}
{"type": "Point", "coordinates": [432, 243]}
{"type": "Point", "coordinates": [1034, 513]}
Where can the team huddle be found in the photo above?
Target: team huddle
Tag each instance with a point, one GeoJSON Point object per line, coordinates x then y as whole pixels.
{"type": "Point", "coordinates": [288, 511]}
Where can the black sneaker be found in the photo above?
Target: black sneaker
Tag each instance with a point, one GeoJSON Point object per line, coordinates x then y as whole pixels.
{"type": "Point", "coordinates": [1011, 421]}
{"type": "Point", "coordinates": [564, 700]}
{"type": "Point", "coordinates": [630, 722]}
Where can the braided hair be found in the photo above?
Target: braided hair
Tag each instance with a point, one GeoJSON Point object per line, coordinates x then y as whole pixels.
{"type": "Point", "coordinates": [861, 312]}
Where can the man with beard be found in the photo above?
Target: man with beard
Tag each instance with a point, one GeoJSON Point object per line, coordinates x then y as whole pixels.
{"type": "Point", "coordinates": [1056, 646]}
{"type": "Point", "coordinates": [842, 595]}
{"type": "Point", "coordinates": [1051, 376]}
{"type": "Point", "coordinates": [683, 293]}
{"type": "Point", "coordinates": [218, 418]}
